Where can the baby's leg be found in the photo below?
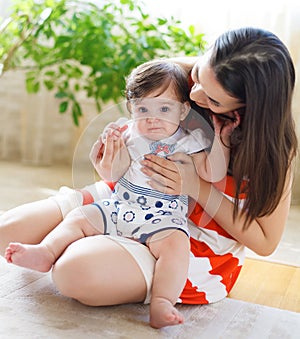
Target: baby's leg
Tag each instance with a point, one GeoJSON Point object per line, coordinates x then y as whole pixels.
{"type": "Point", "coordinates": [79, 223]}
{"type": "Point", "coordinates": [171, 248]}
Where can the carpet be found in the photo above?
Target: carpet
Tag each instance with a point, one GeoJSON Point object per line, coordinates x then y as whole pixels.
{"type": "Point", "coordinates": [30, 307]}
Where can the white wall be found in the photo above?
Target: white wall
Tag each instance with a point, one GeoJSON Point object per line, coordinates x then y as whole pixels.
{"type": "Point", "coordinates": [4, 8]}
{"type": "Point", "coordinates": [211, 18]}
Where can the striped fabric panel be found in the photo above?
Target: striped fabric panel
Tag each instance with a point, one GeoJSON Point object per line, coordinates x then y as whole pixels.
{"type": "Point", "coordinates": [151, 192]}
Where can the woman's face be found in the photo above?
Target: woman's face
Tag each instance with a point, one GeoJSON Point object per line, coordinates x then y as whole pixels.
{"type": "Point", "coordinates": [207, 91]}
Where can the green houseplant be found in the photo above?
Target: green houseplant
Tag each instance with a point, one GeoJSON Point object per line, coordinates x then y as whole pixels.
{"type": "Point", "coordinates": [77, 46]}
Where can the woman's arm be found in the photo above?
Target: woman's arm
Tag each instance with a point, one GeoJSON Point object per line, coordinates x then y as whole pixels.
{"type": "Point", "coordinates": [212, 166]}
{"type": "Point", "coordinates": [262, 235]}
{"type": "Point", "coordinates": [179, 177]}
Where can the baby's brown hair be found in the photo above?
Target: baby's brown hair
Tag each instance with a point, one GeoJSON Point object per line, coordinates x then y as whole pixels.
{"type": "Point", "coordinates": [157, 74]}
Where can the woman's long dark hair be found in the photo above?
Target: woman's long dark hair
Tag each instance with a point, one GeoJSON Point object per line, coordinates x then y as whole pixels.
{"type": "Point", "coordinates": [255, 66]}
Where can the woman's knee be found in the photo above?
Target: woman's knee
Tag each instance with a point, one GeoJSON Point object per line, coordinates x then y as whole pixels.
{"type": "Point", "coordinates": [76, 275]}
{"type": "Point", "coordinates": [11, 229]}
{"type": "Point", "coordinates": [68, 277]}
{"type": "Point", "coordinates": [28, 223]}
{"type": "Point", "coordinates": [91, 269]}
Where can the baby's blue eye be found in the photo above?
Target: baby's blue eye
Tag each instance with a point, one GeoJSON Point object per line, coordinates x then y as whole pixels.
{"type": "Point", "coordinates": [142, 110]}
{"type": "Point", "coordinates": [164, 109]}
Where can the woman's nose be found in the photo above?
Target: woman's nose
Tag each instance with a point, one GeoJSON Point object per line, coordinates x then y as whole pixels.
{"type": "Point", "coordinates": [197, 94]}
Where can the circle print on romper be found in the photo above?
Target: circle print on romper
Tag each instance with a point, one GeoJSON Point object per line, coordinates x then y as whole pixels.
{"type": "Point", "coordinates": [173, 204]}
{"type": "Point", "coordinates": [114, 217]}
{"type": "Point", "coordinates": [129, 216]}
{"type": "Point", "coordinates": [177, 221]}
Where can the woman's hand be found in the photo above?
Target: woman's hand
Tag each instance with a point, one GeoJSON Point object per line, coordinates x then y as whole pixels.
{"type": "Point", "coordinates": [225, 126]}
{"type": "Point", "coordinates": [175, 175]}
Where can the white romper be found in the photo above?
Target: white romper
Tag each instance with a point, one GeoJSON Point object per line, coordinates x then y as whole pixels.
{"type": "Point", "coordinates": [137, 211]}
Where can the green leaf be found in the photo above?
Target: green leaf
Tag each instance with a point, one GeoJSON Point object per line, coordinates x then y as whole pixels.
{"type": "Point", "coordinates": [76, 113]}
{"type": "Point", "coordinates": [61, 95]}
{"type": "Point", "coordinates": [32, 85]}
{"type": "Point", "coordinates": [63, 106]}
{"type": "Point", "coordinates": [49, 84]}
{"type": "Point", "coordinates": [50, 73]}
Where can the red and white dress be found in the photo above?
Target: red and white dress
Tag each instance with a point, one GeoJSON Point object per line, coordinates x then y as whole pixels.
{"type": "Point", "coordinates": [216, 258]}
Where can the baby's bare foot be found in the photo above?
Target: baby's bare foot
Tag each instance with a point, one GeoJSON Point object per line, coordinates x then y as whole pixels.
{"type": "Point", "coordinates": [163, 313]}
{"type": "Point", "coordinates": [35, 257]}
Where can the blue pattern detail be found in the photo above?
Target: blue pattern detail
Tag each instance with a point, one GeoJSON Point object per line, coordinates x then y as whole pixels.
{"type": "Point", "coordinates": [114, 217]}
{"type": "Point", "coordinates": [141, 200]}
{"type": "Point", "coordinates": [173, 204]}
{"type": "Point", "coordinates": [159, 204]}
{"type": "Point", "coordinates": [148, 216]}
{"type": "Point", "coordinates": [157, 147]}
{"type": "Point", "coordinates": [129, 216]}
{"type": "Point", "coordinates": [139, 190]}
{"type": "Point", "coordinates": [126, 196]}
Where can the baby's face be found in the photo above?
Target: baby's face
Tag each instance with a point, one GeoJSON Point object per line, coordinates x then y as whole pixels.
{"type": "Point", "coordinates": [158, 117]}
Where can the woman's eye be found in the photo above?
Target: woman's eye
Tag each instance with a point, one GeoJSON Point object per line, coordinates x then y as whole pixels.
{"type": "Point", "coordinates": [164, 109]}
{"type": "Point", "coordinates": [215, 103]}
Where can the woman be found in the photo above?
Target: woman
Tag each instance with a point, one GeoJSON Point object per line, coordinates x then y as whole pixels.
{"type": "Point", "coordinates": [249, 71]}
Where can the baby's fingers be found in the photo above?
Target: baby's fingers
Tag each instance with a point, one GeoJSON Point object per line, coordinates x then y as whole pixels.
{"type": "Point", "coordinates": [108, 153]}
{"type": "Point", "coordinates": [95, 152]}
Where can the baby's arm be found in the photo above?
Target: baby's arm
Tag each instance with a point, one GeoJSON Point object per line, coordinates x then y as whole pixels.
{"type": "Point", "coordinates": [109, 155]}
{"type": "Point", "coordinates": [212, 166]}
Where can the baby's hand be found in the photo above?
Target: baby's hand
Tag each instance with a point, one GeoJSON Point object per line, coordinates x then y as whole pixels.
{"type": "Point", "coordinates": [115, 129]}
{"type": "Point", "coordinates": [110, 158]}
